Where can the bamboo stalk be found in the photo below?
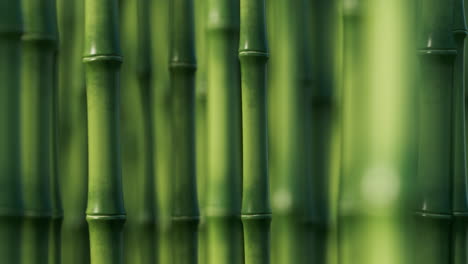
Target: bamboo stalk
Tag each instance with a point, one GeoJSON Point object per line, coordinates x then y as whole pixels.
{"type": "Point", "coordinates": [40, 47]}
{"type": "Point", "coordinates": [460, 191]}
{"type": "Point", "coordinates": [162, 126]}
{"type": "Point", "coordinates": [73, 160]}
{"type": "Point", "coordinates": [253, 55]}
{"type": "Point", "coordinates": [185, 214]}
{"type": "Point", "coordinates": [11, 203]}
{"type": "Point", "coordinates": [105, 211]}
{"type": "Point", "coordinates": [437, 56]}
{"type": "Point", "coordinates": [378, 159]}
{"type": "Point", "coordinates": [223, 200]}
{"type": "Point", "coordinates": [136, 136]}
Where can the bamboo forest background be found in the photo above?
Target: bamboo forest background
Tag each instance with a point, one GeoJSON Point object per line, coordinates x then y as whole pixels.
{"type": "Point", "coordinates": [233, 131]}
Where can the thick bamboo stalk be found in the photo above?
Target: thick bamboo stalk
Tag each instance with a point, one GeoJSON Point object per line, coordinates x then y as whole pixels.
{"type": "Point", "coordinates": [105, 211]}
{"type": "Point", "coordinates": [223, 200]}
{"type": "Point", "coordinates": [201, 122]}
{"type": "Point", "coordinates": [253, 55]}
{"type": "Point", "coordinates": [378, 160]}
{"type": "Point", "coordinates": [73, 159]}
{"type": "Point", "coordinates": [136, 135]}
{"type": "Point", "coordinates": [185, 214]}
{"type": "Point", "coordinates": [437, 53]}
{"type": "Point", "coordinates": [460, 191]}
{"type": "Point", "coordinates": [11, 203]}
{"type": "Point", "coordinates": [39, 66]}
{"type": "Point", "coordinates": [162, 126]}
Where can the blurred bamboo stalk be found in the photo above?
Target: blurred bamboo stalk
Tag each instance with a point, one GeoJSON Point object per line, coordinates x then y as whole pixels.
{"type": "Point", "coordinates": [37, 122]}
{"type": "Point", "coordinates": [136, 134]}
{"type": "Point", "coordinates": [162, 126]}
{"type": "Point", "coordinates": [102, 58]}
{"type": "Point", "coordinates": [11, 202]}
{"type": "Point", "coordinates": [185, 214]}
{"type": "Point", "coordinates": [378, 159]}
{"type": "Point", "coordinates": [253, 56]}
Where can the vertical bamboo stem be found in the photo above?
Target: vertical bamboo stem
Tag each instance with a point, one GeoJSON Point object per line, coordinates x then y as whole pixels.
{"type": "Point", "coordinates": [73, 159]}
{"type": "Point", "coordinates": [460, 191]}
{"type": "Point", "coordinates": [253, 55]}
{"type": "Point", "coordinates": [105, 210]}
{"type": "Point", "coordinates": [378, 143]}
{"type": "Point", "coordinates": [223, 200]}
{"type": "Point", "coordinates": [162, 125]}
{"type": "Point", "coordinates": [11, 203]}
{"type": "Point", "coordinates": [185, 215]}
{"type": "Point", "coordinates": [39, 42]}
{"type": "Point", "coordinates": [437, 53]}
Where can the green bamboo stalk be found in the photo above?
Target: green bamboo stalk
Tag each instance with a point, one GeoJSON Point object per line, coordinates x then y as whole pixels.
{"type": "Point", "coordinates": [201, 122]}
{"type": "Point", "coordinates": [378, 160]}
{"type": "Point", "coordinates": [162, 126]}
{"type": "Point", "coordinates": [73, 159]}
{"type": "Point", "coordinates": [105, 211]}
{"type": "Point", "coordinates": [223, 200]}
{"type": "Point", "coordinates": [11, 203]}
{"type": "Point", "coordinates": [460, 191]}
{"type": "Point", "coordinates": [136, 136]}
{"type": "Point", "coordinates": [253, 55]}
{"type": "Point", "coordinates": [437, 52]}
{"type": "Point", "coordinates": [39, 66]}
{"type": "Point", "coordinates": [185, 214]}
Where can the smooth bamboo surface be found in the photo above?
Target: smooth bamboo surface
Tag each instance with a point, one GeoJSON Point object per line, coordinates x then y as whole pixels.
{"type": "Point", "coordinates": [37, 96]}
{"type": "Point", "coordinates": [162, 126]}
{"type": "Point", "coordinates": [185, 212]}
{"type": "Point", "coordinates": [224, 130]}
{"type": "Point", "coordinates": [102, 57]}
{"type": "Point", "coordinates": [379, 150]}
{"type": "Point", "coordinates": [11, 202]}
{"type": "Point", "coordinates": [136, 137]}
{"type": "Point", "coordinates": [253, 56]}
{"type": "Point", "coordinates": [437, 54]}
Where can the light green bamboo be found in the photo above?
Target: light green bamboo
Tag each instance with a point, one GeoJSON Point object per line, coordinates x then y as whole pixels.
{"type": "Point", "coordinates": [102, 57]}
{"type": "Point", "coordinates": [73, 159]}
{"type": "Point", "coordinates": [223, 198]}
{"type": "Point", "coordinates": [162, 126]}
{"type": "Point", "coordinates": [11, 203]}
{"type": "Point", "coordinates": [437, 53]}
{"type": "Point", "coordinates": [185, 212]}
{"type": "Point", "coordinates": [136, 136]}
{"type": "Point", "coordinates": [460, 191]}
{"type": "Point", "coordinates": [38, 75]}
{"type": "Point", "coordinates": [253, 55]}
{"type": "Point", "coordinates": [378, 160]}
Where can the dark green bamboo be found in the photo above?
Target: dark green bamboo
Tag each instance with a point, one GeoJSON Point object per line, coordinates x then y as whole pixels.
{"type": "Point", "coordinates": [253, 55]}
{"type": "Point", "coordinates": [105, 211]}
{"type": "Point", "coordinates": [437, 53]}
{"type": "Point", "coordinates": [73, 159]}
{"type": "Point", "coordinates": [378, 160]}
{"type": "Point", "coordinates": [39, 66]}
{"type": "Point", "coordinates": [201, 122]}
{"type": "Point", "coordinates": [460, 191]}
{"type": "Point", "coordinates": [11, 203]}
{"type": "Point", "coordinates": [185, 214]}
{"type": "Point", "coordinates": [136, 134]}
{"type": "Point", "coordinates": [162, 126]}
{"type": "Point", "coordinates": [223, 198]}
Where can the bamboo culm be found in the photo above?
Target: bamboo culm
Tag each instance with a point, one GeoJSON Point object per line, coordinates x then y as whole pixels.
{"type": "Point", "coordinates": [224, 130]}
{"type": "Point", "coordinates": [102, 57]}
{"type": "Point", "coordinates": [37, 104]}
{"type": "Point", "coordinates": [253, 55]}
{"type": "Point", "coordinates": [185, 211]}
{"type": "Point", "coordinates": [11, 205]}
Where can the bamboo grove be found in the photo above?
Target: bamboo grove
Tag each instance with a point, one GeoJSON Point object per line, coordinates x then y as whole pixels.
{"type": "Point", "coordinates": [233, 131]}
